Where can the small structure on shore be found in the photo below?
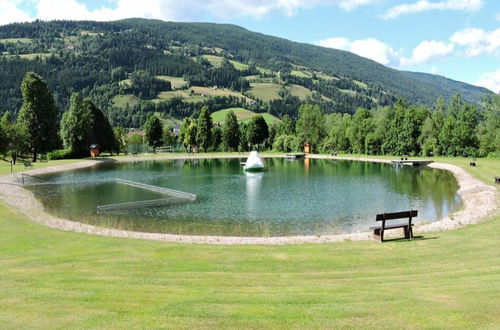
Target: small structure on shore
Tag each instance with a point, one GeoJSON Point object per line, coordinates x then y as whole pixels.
{"type": "Point", "coordinates": [95, 150]}
{"type": "Point", "coordinates": [307, 148]}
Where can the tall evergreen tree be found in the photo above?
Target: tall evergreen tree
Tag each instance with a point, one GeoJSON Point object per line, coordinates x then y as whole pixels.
{"type": "Point", "coordinates": [38, 115]}
{"type": "Point", "coordinates": [154, 132]}
{"type": "Point", "coordinates": [204, 132]}
{"type": "Point", "coordinates": [102, 132]}
{"type": "Point", "coordinates": [231, 132]}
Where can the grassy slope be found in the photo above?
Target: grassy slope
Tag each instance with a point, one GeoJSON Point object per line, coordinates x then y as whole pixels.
{"type": "Point", "coordinates": [121, 101]}
{"type": "Point", "coordinates": [242, 115]}
{"type": "Point", "coordinates": [177, 82]}
{"type": "Point", "coordinates": [52, 278]}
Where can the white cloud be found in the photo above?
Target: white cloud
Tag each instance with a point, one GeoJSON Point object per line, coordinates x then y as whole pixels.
{"type": "Point", "coordinates": [424, 5]}
{"type": "Point", "coordinates": [427, 51]}
{"type": "Point", "coordinates": [490, 80]}
{"type": "Point", "coordinates": [370, 48]}
{"type": "Point", "coordinates": [10, 13]}
{"type": "Point", "coordinates": [478, 41]}
{"type": "Point", "coordinates": [163, 9]}
{"type": "Point", "coordinates": [350, 5]}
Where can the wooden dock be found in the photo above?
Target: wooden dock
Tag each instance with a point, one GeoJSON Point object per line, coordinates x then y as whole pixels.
{"type": "Point", "coordinates": [408, 162]}
{"type": "Point", "coordinates": [295, 155]}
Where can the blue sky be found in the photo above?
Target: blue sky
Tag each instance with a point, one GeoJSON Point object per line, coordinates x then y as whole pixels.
{"type": "Point", "coordinates": [459, 39]}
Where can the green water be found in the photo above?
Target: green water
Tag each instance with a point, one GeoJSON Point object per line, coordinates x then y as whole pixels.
{"type": "Point", "coordinates": [299, 197]}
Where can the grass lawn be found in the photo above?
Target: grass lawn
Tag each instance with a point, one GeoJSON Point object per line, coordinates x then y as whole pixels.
{"type": "Point", "coordinates": [242, 115]}
{"type": "Point", "coordinates": [52, 278]}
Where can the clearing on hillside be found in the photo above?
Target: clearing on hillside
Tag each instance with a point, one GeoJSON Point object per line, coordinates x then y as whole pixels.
{"type": "Point", "coordinates": [177, 82]}
{"type": "Point", "coordinates": [242, 115]}
{"type": "Point", "coordinates": [121, 101]}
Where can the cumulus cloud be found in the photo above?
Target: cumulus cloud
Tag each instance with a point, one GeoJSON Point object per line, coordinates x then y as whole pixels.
{"type": "Point", "coordinates": [490, 80]}
{"type": "Point", "coordinates": [424, 5]}
{"type": "Point", "coordinates": [478, 41]}
{"type": "Point", "coordinates": [163, 9]}
{"type": "Point", "coordinates": [370, 48]}
{"type": "Point", "coordinates": [10, 13]}
{"type": "Point", "coordinates": [427, 51]}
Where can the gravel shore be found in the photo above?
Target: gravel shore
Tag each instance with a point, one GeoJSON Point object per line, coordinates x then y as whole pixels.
{"type": "Point", "coordinates": [480, 202]}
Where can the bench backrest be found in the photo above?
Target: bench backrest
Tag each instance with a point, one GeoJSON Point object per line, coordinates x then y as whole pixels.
{"type": "Point", "coordinates": [397, 215]}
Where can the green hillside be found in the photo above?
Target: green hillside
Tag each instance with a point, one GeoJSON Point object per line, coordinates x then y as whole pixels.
{"type": "Point", "coordinates": [242, 115]}
{"type": "Point", "coordinates": [184, 66]}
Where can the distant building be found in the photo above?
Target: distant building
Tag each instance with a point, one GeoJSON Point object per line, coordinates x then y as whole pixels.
{"type": "Point", "coordinates": [134, 131]}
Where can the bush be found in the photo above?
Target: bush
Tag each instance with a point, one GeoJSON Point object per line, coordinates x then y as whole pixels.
{"type": "Point", "coordinates": [287, 143]}
{"type": "Point", "coordinates": [60, 154]}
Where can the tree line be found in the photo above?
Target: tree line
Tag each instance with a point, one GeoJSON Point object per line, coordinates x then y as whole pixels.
{"type": "Point", "coordinates": [456, 129]}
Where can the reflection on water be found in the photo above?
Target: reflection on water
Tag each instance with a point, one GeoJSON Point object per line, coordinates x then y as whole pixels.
{"type": "Point", "coordinates": [300, 197]}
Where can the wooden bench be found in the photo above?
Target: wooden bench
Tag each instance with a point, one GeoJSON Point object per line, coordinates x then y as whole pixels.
{"type": "Point", "coordinates": [27, 164]}
{"type": "Point", "coordinates": [384, 217]}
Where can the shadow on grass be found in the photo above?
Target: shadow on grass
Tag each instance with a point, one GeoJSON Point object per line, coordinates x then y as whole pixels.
{"type": "Point", "coordinates": [415, 238]}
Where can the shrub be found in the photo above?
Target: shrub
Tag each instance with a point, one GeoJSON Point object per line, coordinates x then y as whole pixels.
{"type": "Point", "coordinates": [60, 154]}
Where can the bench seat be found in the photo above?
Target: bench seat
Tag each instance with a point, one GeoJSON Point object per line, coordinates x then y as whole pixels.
{"type": "Point", "coordinates": [391, 226]}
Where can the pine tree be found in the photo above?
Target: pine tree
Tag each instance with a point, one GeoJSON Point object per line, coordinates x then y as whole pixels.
{"type": "Point", "coordinates": [231, 132]}
{"type": "Point", "coordinates": [204, 131]}
{"type": "Point", "coordinates": [38, 115]}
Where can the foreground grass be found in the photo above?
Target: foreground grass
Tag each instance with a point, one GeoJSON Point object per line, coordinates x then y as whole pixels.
{"type": "Point", "coordinates": [51, 278]}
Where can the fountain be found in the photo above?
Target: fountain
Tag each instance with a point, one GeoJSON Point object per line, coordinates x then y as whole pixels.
{"type": "Point", "coordinates": [253, 163]}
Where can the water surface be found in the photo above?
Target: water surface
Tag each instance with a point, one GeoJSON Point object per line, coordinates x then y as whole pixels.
{"type": "Point", "coordinates": [299, 197]}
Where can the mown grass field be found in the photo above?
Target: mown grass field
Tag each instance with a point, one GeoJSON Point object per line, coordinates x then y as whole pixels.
{"type": "Point", "coordinates": [216, 61]}
{"type": "Point", "coordinates": [56, 279]}
{"type": "Point", "coordinates": [265, 91]}
{"type": "Point", "coordinates": [242, 115]}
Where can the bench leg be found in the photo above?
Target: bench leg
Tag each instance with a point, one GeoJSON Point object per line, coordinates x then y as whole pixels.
{"type": "Point", "coordinates": [378, 232]}
{"type": "Point", "coordinates": [408, 232]}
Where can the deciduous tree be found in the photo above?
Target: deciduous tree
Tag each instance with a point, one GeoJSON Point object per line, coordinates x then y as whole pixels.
{"type": "Point", "coordinates": [153, 130]}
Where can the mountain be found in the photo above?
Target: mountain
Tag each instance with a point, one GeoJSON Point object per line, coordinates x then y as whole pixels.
{"type": "Point", "coordinates": [139, 59]}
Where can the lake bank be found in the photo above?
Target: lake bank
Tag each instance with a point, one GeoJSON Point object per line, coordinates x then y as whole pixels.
{"type": "Point", "coordinates": [480, 202]}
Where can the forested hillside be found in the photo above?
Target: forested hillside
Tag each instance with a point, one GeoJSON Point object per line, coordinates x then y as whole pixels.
{"type": "Point", "coordinates": [135, 67]}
